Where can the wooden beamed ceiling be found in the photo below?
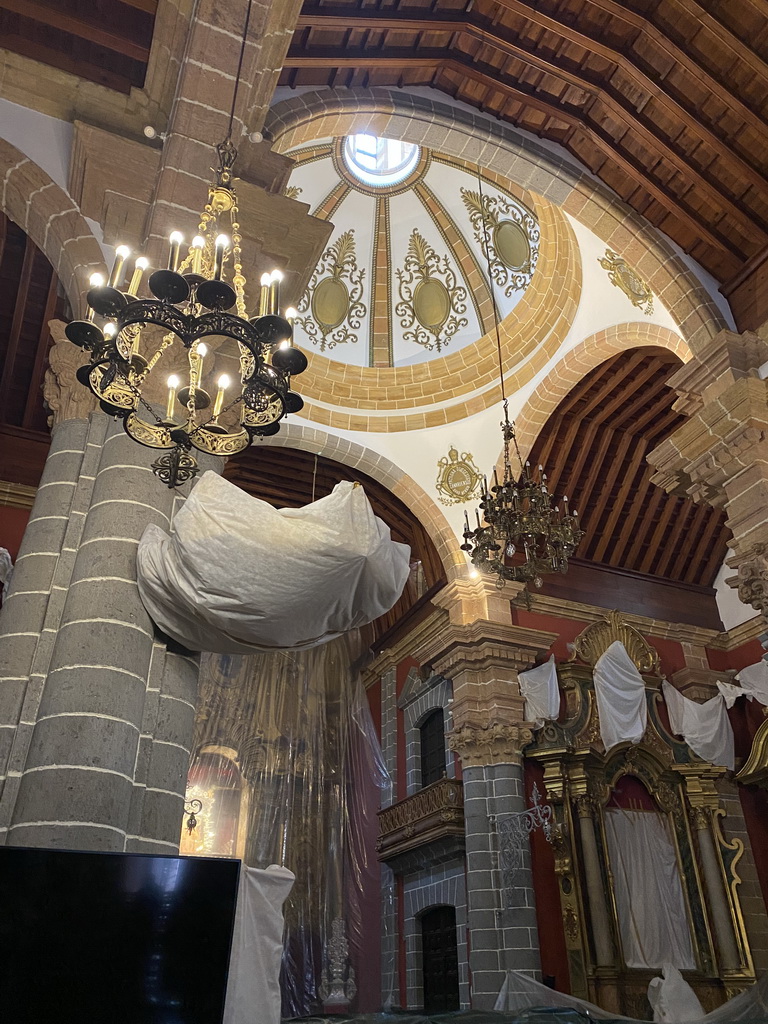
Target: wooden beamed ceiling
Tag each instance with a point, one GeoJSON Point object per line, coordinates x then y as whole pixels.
{"type": "Point", "coordinates": [593, 449]}
{"type": "Point", "coordinates": [665, 100]}
{"type": "Point", "coordinates": [103, 41]}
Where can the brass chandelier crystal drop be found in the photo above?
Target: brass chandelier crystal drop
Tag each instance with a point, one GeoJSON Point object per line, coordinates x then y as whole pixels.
{"type": "Point", "coordinates": [522, 536]}
{"type": "Point", "coordinates": [133, 340]}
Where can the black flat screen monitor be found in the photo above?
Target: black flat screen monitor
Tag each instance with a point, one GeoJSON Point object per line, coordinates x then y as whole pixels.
{"type": "Point", "coordinates": [105, 938]}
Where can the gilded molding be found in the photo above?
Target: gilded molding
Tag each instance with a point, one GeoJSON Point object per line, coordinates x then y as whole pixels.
{"type": "Point", "coordinates": [432, 303]}
{"type": "Point", "coordinates": [331, 309]}
{"type": "Point", "coordinates": [16, 495]}
{"type": "Point", "coordinates": [595, 640]}
{"type": "Point", "coordinates": [622, 276]}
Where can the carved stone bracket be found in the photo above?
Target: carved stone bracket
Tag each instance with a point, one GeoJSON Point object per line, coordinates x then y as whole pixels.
{"type": "Point", "coordinates": [751, 580]}
{"type": "Point", "coordinates": [64, 394]}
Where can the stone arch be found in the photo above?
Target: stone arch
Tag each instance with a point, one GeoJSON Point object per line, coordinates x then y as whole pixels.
{"type": "Point", "coordinates": [379, 467]}
{"type": "Point", "coordinates": [502, 150]}
{"type": "Point", "coordinates": [51, 218]}
{"type": "Point", "coordinates": [576, 364]}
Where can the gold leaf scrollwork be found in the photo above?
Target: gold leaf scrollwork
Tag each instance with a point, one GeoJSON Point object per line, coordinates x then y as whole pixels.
{"type": "Point", "coordinates": [511, 235]}
{"type": "Point", "coordinates": [458, 479]}
{"type": "Point", "coordinates": [625, 277]}
{"type": "Point", "coordinates": [292, 191]}
{"type": "Point", "coordinates": [431, 302]}
{"type": "Point", "coordinates": [331, 310]}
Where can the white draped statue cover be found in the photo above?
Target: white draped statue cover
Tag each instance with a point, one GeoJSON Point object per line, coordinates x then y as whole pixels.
{"type": "Point", "coordinates": [542, 694]}
{"type": "Point", "coordinates": [649, 894]}
{"type": "Point", "coordinates": [705, 727]}
{"type": "Point", "coordinates": [620, 694]}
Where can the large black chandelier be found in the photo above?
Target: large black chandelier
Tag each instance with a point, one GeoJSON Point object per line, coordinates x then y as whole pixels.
{"type": "Point", "coordinates": [133, 340]}
{"type": "Point", "coordinates": [522, 536]}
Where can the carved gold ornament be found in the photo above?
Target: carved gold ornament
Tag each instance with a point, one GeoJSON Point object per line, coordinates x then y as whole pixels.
{"type": "Point", "coordinates": [595, 640]}
{"type": "Point", "coordinates": [511, 236]}
{"type": "Point", "coordinates": [431, 302]}
{"type": "Point", "coordinates": [292, 192]}
{"type": "Point", "coordinates": [623, 276]}
{"type": "Point", "coordinates": [458, 479]}
{"type": "Point", "coordinates": [331, 306]}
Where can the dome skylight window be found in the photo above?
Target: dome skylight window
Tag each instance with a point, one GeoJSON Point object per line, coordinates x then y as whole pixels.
{"type": "Point", "coordinates": [380, 162]}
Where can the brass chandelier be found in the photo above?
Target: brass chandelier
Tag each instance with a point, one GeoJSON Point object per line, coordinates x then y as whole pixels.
{"type": "Point", "coordinates": [132, 340]}
{"type": "Point", "coordinates": [522, 536]}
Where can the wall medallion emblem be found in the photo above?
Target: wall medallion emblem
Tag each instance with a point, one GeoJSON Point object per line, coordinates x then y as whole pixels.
{"type": "Point", "coordinates": [623, 276]}
{"type": "Point", "coordinates": [431, 302]}
{"type": "Point", "coordinates": [331, 310]}
{"type": "Point", "coordinates": [458, 479]}
{"type": "Point", "coordinates": [512, 237]}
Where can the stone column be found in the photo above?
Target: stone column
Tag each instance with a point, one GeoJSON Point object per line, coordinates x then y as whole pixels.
{"type": "Point", "coordinates": [717, 901]}
{"type": "Point", "coordinates": [480, 651]}
{"type": "Point", "coordinates": [720, 454]}
{"type": "Point", "coordinates": [598, 909]}
{"type": "Point", "coordinates": [100, 715]}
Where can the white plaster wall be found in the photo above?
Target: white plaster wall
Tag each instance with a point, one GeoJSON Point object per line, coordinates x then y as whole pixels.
{"type": "Point", "coordinates": [44, 139]}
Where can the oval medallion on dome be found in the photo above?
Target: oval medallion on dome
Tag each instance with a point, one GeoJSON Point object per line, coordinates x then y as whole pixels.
{"type": "Point", "coordinates": [330, 302]}
{"type": "Point", "coordinates": [512, 245]}
{"type": "Point", "coordinates": [431, 303]}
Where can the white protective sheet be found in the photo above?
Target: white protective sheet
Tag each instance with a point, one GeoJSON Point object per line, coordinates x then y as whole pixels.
{"type": "Point", "coordinates": [672, 999]}
{"type": "Point", "coordinates": [542, 695]}
{"type": "Point", "coordinates": [649, 893]}
{"type": "Point", "coordinates": [731, 693]}
{"type": "Point", "coordinates": [238, 575]}
{"type": "Point", "coordinates": [754, 680]}
{"type": "Point", "coordinates": [705, 727]}
{"type": "Point", "coordinates": [520, 992]}
{"type": "Point", "coordinates": [253, 987]}
{"type": "Point", "coordinates": [620, 693]}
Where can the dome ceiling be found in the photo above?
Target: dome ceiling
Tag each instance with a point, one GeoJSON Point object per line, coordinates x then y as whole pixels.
{"type": "Point", "coordinates": [405, 277]}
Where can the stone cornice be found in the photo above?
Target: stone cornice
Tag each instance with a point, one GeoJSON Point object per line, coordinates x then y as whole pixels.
{"type": "Point", "coordinates": [404, 647]}
{"type": "Point", "coordinates": [518, 645]}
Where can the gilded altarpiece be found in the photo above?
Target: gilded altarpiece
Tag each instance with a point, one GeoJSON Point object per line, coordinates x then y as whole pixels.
{"type": "Point", "coordinates": [580, 779]}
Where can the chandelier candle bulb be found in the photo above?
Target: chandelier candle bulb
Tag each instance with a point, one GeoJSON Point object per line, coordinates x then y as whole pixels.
{"type": "Point", "coordinates": [274, 290]}
{"type": "Point", "coordinates": [223, 383]}
{"type": "Point", "coordinates": [139, 267]}
{"type": "Point", "coordinates": [122, 252]}
{"type": "Point", "coordinates": [264, 294]}
{"type": "Point", "coordinates": [201, 351]}
{"type": "Point", "coordinates": [198, 244]}
{"type": "Point", "coordinates": [221, 246]}
{"type": "Point", "coordinates": [173, 383]}
{"type": "Point", "coordinates": [176, 238]}
{"type": "Point", "coordinates": [95, 281]}
{"type": "Point", "coordinates": [110, 330]}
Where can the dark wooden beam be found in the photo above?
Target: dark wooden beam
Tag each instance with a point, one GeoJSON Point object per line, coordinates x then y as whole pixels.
{"type": "Point", "coordinates": [487, 75]}
{"type": "Point", "coordinates": [26, 47]}
{"type": "Point", "coordinates": [90, 30]}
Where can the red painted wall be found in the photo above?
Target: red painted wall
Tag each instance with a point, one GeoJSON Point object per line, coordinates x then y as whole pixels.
{"type": "Point", "coordinates": [13, 523]}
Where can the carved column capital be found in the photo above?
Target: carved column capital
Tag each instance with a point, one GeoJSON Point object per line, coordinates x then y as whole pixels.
{"type": "Point", "coordinates": [699, 818]}
{"type": "Point", "coordinates": [65, 396]}
{"type": "Point", "coordinates": [585, 806]}
{"type": "Point", "coordinates": [494, 744]}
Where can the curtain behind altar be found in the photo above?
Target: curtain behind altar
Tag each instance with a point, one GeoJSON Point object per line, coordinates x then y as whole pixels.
{"type": "Point", "coordinates": [292, 731]}
{"type": "Point", "coordinates": [649, 892]}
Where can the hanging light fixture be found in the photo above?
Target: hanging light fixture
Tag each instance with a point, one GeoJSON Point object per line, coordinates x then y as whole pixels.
{"type": "Point", "coordinates": [132, 340]}
{"type": "Point", "coordinates": [521, 536]}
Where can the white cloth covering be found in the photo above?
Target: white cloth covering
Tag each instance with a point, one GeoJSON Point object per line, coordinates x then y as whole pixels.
{"type": "Point", "coordinates": [620, 693]}
{"type": "Point", "coordinates": [649, 893]}
{"type": "Point", "coordinates": [672, 999]}
{"type": "Point", "coordinates": [542, 695]}
{"type": "Point", "coordinates": [731, 693]}
{"type": "Point", "coordinates": [705, 727]}
{"type": "Point", "coordinates": [253, 986]}
{"type": "Point", "coordinates": [6, 571]}
{"type": "Point", "coordinates": [238, 575]}
{"type": "Point", "coordinates": [754, 680]}
{"type": "Point", "coordinates": [520, 992]}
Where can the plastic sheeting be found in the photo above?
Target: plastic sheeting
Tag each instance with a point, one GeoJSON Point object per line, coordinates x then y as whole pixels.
{"type": "Point", "coordinates": [519, 994]}
{"type": "Point", "coordinates": [257, 946]}
{"type": "Point", "coordinates": [542, 694]}
{"type": "Point", "coordinates": [648, 890]}
{"type": "Point", "coordinates": [705, 727]}
{"type": "Point", "coordinates": [620, 693]}
{"type": "Point", "coordinates": [289, 770]}
{"type": "Point", "coordinates": [237, 575]}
